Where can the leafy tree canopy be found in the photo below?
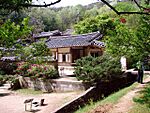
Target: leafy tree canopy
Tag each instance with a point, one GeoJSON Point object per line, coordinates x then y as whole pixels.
{"type": "Point", "coordinates": [10, 32]}
{"type": "Point", "coordinates": [37, 52]}
{"type": "Point", "coordinates": [126, 35]}
{"type": "Point", "coordinates": [16, 5]}
{"type": "Point", "coordinates": [90, 69]}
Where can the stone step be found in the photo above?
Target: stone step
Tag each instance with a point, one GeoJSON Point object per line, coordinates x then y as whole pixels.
{"type": "Point", "coordinates": [5, 86]}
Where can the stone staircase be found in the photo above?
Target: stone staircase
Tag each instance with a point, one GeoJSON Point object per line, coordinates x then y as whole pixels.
{"type": "Point", "coordinates": [4, 89]}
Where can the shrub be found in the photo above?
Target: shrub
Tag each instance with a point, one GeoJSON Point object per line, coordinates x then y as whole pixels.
{"type": "Point", "coordinates": [1, 72]}
{"type": "Point", "coordinates": [42, 71]}
{"type": "Point", "coordinates": [7, 67]}
{"type": "Point", "coordinates": [3, 79]}
{"type": "Point", "coordinates": [36, 70]}
{"type": "Point", "coordinates": [90, 69]}
{"type": "Point", "coordinates": [22, 68]}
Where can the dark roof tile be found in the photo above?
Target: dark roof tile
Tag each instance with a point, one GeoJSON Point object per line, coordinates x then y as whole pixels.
{"type": "Point", "coordinates": [70, 41]}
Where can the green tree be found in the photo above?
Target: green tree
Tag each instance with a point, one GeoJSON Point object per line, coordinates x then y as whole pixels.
{"type": "Point", "coordinates": [100, 23]}
{"type": "Point", "coordinates": [126, 35]}
{"type": "Point", "coordinates": [10, 32]}
{"type": "Point", "coordinates": [90, 69]}
{"type": "Point", "coordinates": [17, 5]}
{"type": "Point", "coordinates": [126, 41]}
{"type": "Point", "coordinates": [37, 52]}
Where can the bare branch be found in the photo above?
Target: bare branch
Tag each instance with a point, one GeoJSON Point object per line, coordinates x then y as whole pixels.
{"type": "Point", "coordinates": [141, 7]}
{"type": "Point", "coordinates": [110, 6]}
{"type": "Point", "coordinates": [138, 4]}
{"type": "Point", "coordinates": [45, 5]}
{"type": "Point", "coordinates": [120, 13]}
{"type": "Point", "coordinates": [145, 13]}
{"type": "Point", "coordinates": [25, 5]}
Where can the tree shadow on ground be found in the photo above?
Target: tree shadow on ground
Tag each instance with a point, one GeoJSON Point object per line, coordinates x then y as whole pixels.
{"type": "Point", "coordinates": [35, 110]}
{"type": "Point", "coordinates": [147, 82]}
{"type": "Point", "coordinates": [4, 94]}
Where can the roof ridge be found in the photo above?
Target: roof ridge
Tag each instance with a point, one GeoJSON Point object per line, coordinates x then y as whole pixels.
{"type": "Point", "coordinates": [74, 36]}
{"type": "Point", "coordinates": [86, 34]}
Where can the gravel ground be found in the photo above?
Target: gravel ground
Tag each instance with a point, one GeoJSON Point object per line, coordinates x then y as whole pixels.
{"type": "Point", "coordinates": [11, 102]}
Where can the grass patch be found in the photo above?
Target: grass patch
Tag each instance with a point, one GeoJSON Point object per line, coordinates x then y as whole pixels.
{"type": "Point", "coordinates": [29, 92]}
{"type": "Point", "coordinates": [139, 108]}
{"type": "Point", "coordinates": [111, 99]}
{"type": "Point", "coordinates": [142, 101]}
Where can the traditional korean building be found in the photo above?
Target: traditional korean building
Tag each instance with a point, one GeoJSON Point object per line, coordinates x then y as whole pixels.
{"type": "Point", "coordinates": [67, 49]}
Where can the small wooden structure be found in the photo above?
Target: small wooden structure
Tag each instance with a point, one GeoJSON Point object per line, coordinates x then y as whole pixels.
{"type": "Point", "coordinates": [28, 102]}
{"type": "Point", "coordinates": [42, 102]}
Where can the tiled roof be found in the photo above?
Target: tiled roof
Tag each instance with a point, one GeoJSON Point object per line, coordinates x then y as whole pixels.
{"type": "Point", "coordinates": [72, 41]}
{"type": "Point", "coordinates": [47, 34]}
{"type": "Point", "coordinates": [13, 58]}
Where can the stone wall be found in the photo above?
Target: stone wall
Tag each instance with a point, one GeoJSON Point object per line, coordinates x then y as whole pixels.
{"type": "Point", "coordinates": [56, 85]}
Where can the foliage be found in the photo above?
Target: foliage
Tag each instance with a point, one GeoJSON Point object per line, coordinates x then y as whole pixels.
{"type": "Point", "coordinates": [36, 70]}
{"type": "Point", "coordinates": [126, 35]}
{"type": "Point", "coordinates": [22, 68]}
{"type": "Point", "coordinates": [36, 20]}
{"type": "Point", "coordinates": [7, 67]}
{"type": "Point", "coordinates": [1, 72]}
{"type": "Point", "coordinates": [37, 52]}
{"type": "Point", "coordinates": [10, 32]}
{"type": "Point", "coordinates": [10, 78]}
{"type": "Point", "coordinates": [2, 79]}
{"type": "Point", "coordinates": [43, 71]}
{"type": "Point", "coordinates": [100, 23]}
{"type": "Point", "coordinates": [60, 18]}
{"type": "Point", "coordinates": [13, 79]}
{"type": "Point", "coordinates": [39, 49]}
{"type": "Point", "coordinates": [90, 69]}
{"type": "Point", "coordinates": [126, 6]}
{"type": "Point", "coordinates": [124, 40]}
{"type": "Point", "coordinates": [13, 3]}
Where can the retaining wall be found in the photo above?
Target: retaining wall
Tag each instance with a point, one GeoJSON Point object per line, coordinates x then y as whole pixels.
{"type": "Point", "coordinates": [56, 85]}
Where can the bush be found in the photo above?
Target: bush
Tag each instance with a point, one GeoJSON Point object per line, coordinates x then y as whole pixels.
{"type": "Point", "coordinates": [36, 70]}
{"type": "Point", "coordinates": [7, 67]}
{"type": "Point", "coordinates": [22, 68]}
{"type": "Point", "coordinates": [42, 71]}
{"type": "Point", "coordinates": [90, 69]}
{"type": "Point", "coordinates": [2, 72]}
{"type": "Point", "coordinates": [3, 79]}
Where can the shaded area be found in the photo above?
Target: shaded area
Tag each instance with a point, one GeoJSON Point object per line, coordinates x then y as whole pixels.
{"type": "Point", "coordinates": [4, 94]}
{"type": "Point", "coordinates": [35, 110]}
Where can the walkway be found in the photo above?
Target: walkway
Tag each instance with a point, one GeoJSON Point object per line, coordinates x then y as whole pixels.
{"type": "Point", "coordinates": [126, 102]}
{"type": "Point", "coordinates": [12, 102]}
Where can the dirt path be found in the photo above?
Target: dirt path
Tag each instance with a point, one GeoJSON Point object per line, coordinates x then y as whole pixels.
{"type": "Point", "coordinates": [11, 102]}
{"type": "Point", "coordinates": [126, 102]}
